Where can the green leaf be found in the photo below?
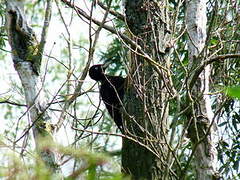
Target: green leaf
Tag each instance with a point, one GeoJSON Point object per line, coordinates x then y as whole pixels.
{"type": "Point", "coordinates": [214, 41]}
{"type": "Point", "coordinates": [236, 165]}
{"type": "Point", "coordinates": [223, 123]}
{"type": "Point", "coordinates": [233, 91]}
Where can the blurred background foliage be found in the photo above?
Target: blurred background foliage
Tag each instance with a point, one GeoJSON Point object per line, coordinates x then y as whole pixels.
{"type": "Point", "coordinates": [87, 113]}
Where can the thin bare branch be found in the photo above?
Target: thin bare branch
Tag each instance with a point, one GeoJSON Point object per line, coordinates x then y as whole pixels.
{"type": "Point", "coordinates": [200, 68]}
{"type": "Point", "coordinates": [48, 14]}
{"type": "Point", "coordinates": [134, 45]}
{"type": "Point", "coordinates": [114, 13]}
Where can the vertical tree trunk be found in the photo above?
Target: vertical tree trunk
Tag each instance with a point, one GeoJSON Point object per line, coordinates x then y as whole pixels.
{"type": "Point", "coordinates": [27, 61]}
{"type": "Point", "coordinates": [202, 131]}
{"type": "Point", "coordinates": [146, 95]}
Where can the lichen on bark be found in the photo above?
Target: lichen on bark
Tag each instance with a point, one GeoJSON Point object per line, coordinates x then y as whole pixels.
{"type": "Point", "coordinates": [22, 38]}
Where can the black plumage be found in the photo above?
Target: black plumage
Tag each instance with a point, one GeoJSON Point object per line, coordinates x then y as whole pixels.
{"type": "Point", "coordinates": [111, 92]}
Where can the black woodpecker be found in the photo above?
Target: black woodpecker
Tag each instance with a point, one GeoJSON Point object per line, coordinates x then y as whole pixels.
{"type": "Point", "coordinates": [111, 92]}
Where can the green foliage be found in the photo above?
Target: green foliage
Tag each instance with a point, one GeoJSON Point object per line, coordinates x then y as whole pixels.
{"type": "Point", "coordinates": [3, 35]}
{"type": "Point", "coordinates": [115, 4]}
{"type": "Point", "coordinates": [233, 92]}
{"type": "Point", "coordinates": [84, 114]}
{"type": "Point", "coordinates": [18, 168]}
{"type": "Point", "coordinates": [229, 145]}
{"type": "Point", "coordinates": [57, 66]}
{"type": "Point", "coordinates": [229, 155]}
{"type": "Point", "coordinates": [226, 76]}
{"type": "Point", "coordinates": [116, 54]}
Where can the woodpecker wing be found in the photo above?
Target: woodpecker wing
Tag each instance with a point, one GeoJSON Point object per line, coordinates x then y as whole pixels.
{"type": "Point", "coordinates": [112, 92]}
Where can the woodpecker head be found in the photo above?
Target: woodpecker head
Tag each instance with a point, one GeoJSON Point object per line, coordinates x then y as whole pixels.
{"type": "Point", "coordinates": [96, 72]}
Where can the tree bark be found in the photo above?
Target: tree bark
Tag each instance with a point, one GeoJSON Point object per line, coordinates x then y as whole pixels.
{"type": "Point", "coordinates": [202, 131]}
{"type": "Point", "coordinates": [27, 62]}
{"type": "Point", "coordinates": [146, 97]}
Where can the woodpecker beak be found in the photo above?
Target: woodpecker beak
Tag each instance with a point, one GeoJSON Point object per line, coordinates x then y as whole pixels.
{"type": "Point", "coordinates": [105, 65]}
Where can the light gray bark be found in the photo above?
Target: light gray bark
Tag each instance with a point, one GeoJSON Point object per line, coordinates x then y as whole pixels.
{"type": "Point", "coordinates": [24, 54]}
{"type": "Point", "coordinates": [205, 149]}
{"type": "Point", "coordinates": [196, 21]}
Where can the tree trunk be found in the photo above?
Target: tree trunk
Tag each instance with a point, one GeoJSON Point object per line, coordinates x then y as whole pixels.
{"type": "Point", "coordinates": [27, 61]}
{"type": "Point", "coordinates": [146, 97]}
{"type": "Point", "coordinates": [202, 130]}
